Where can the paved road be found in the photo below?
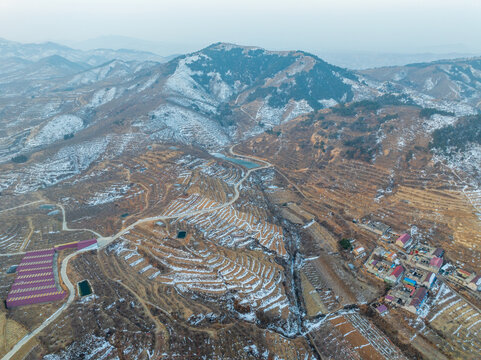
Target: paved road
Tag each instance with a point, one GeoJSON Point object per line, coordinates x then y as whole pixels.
{"type": "Point", "coordinates": [66, 228]}
{"type": "Point", "coordinates": [253, 158]}
{"type": "Point", "coordinates": [105, 241]}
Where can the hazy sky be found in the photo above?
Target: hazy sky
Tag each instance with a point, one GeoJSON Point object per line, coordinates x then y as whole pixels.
{"type": "Point", "coordinates": [313, 25]}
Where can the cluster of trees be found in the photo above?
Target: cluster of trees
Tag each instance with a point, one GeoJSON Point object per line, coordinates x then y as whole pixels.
{"type": "Point", "coordinates": [224, 115]}
{"type": "Point", "coordinates": [272, 132]}
{"type": "Point", "coordinates": [395, 100]}
{"type": "Point", "coordinates": [311, 119]}
{"type": "Point", "coordinates": [345, 244]}
{"type": "Point", "coordinates": [458, 136]}
{"type": "Point", "coordinates": [361, 148]}
{"type": "Point", "coordinates": [68, 136]}
{"type": "Point", "coordinates": [318, 83]}
{"type": "Point", "coordinates": [428, 112]}
{"type": "Point", "coordinates": [238, 65]}
{"type": "Point", "coordinates": [355, 107]}
{"type": "Point", "coordinates": [20, 159]}
{"type": "Point", "coordinates": [385, 118]}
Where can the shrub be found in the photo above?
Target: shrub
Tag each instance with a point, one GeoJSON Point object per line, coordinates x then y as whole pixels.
{"type": "Point", "coordinates": [20, 159]}
{"type": "Point", "coordinates": [345, 244]}
{"type": "Point", "coordinates": [428, 112]}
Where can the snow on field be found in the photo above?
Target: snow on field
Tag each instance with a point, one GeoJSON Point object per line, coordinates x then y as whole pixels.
{"type": "Point", "coordinates": [438, 121]}
{"type": "Point", "coordinates": [102, 97]}
{"type": "Point", "coordinates": [7, 179]}
{"type": "Point", "coordinates": [429, 84]}
{"type": "Point", "coordinates": [10, 240]}
{"type": "Point", "coordinates": [274, 116]}
{"type": "Point", "coordinates": [426, 101]}
{"type": "Point", "coordinates": [269, 115]}
{"type": "Point", "coordinates": [88, 298]}
{"type": "Point", "coordinates": [227, 226]}
{"type": "Point", "coordinates": [115, 192]}
{"type": "Point", "coordinates": [170, 122]}
{"type": "Point", "coordinates": [474, 197]}
{"type": "Point", "coordinates": [360, 88]}
{"type": "Point", "coordinates": [229, 175]}
{"type": "Point", "coordinates": [55, 130]}
{"type": "Point", "coordinates": [297, 108]}
{"type": "Point", "coordinates": [327, 103]}
{"type": "Point", "coordinates": [69, 161]}
{"type": "Point", "coordinates": [467, 161]}
{"type": "Point", "coordinates": [90, 347]}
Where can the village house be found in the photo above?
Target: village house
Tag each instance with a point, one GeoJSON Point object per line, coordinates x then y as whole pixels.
{"type": "Point", "coordinates": [359, 251]}
{"type": "Point", "coordinates": [382, 309]}
{"type": "Point", "coordinates": [426, 258]}
{"type": "Point", "coordinates": [377, 265]}
{"type": "Point", "coordinates": [417, 300]}
{"type": "Point", "coordinates": [475, 283]}
{"type": "Point", "coordinates": [465, 278]}
{"type": "Point", "coordinates": [379, 227]}
{"type": "Point", "coordinates": [404, 241]}
{"type": "Point", "coordinates": [429, 279]}
{"type": "Point", "coordinates": [395, 275]}
{"type": "Point", "coordinates": [435, 263]}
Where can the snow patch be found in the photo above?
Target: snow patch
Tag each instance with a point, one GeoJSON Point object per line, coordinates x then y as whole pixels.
{"type": "Point", "coordinates": [56, 129]}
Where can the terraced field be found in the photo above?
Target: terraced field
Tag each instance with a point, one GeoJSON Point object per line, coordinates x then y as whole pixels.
{"type": "Point", "coordinates": [348, 335]}
{"type": "Point", "coordinates": [325, 294]}
{"type": "Point", "coordinates": [223, 171]}
{"type": "Point", "coordinates": [12, 236]}
{"type": "Point", "coordinates": [208, 269]}
{"type": "Point", "coordinates": [458, 321]}
{"type": "Point", "coordinates": [474, 197]}
{"type": "Point", "coordinates": [387, 189]}
{"type": "Point", "coordinates": [228, 226]}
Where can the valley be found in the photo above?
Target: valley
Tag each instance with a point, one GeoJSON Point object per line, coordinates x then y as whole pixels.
{"type": "Point", "coordinates": [238, 197]}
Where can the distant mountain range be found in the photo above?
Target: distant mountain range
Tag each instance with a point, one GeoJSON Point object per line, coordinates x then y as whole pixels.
{"type": "Point", "coordinates": [452, 80]}
{"type": "Point", "coordinates": [209, 99]}
{"type": "Point", "coordinates": [35, 52]}
{"type": "Point", "coordinates": [360, 60]}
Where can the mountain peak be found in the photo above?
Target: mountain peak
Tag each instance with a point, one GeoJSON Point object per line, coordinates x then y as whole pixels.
{"type": "Point", "coordinates": [228, 46]}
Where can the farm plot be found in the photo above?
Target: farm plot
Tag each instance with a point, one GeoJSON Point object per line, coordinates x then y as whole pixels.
{"type": "Point", "coordinates": [228, 226]}
{"type": "Point", "coordinates": [325, 294]}
{"type": "Point", "coordinates": [350, 336]}
{"type": "Point", "coordinates": [12, 236]}
{"type": "Point", "coordinates": [332, 343]}
{"type": "Point", "coordinates": [205, 268]}
{"type": "Point", "coordinates": [375, 337]}
{"type": "Point", "coordinates": [474, 197]}
{"type": "Point", "coordinates": [194, 202]}
{"type": "Point", "coordinates": [457, 320]}
{"type": "Point", "coordinates": [227, 173]}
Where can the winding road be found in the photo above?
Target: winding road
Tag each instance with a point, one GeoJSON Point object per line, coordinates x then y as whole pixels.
{"type": "Point", "coordinates": [105, 241]}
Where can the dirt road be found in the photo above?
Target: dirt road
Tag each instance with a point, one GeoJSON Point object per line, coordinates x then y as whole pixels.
{"type": "Point", "coordinates": [105, 241]}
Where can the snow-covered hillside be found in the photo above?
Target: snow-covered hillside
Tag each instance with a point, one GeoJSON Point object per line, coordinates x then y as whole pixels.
{"type": "Point", "coordinates": [175, 123]}
{"type": "Point", "coordinates": [455, 83]}
{"type": "Point", "coordinates": [56, 129]}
